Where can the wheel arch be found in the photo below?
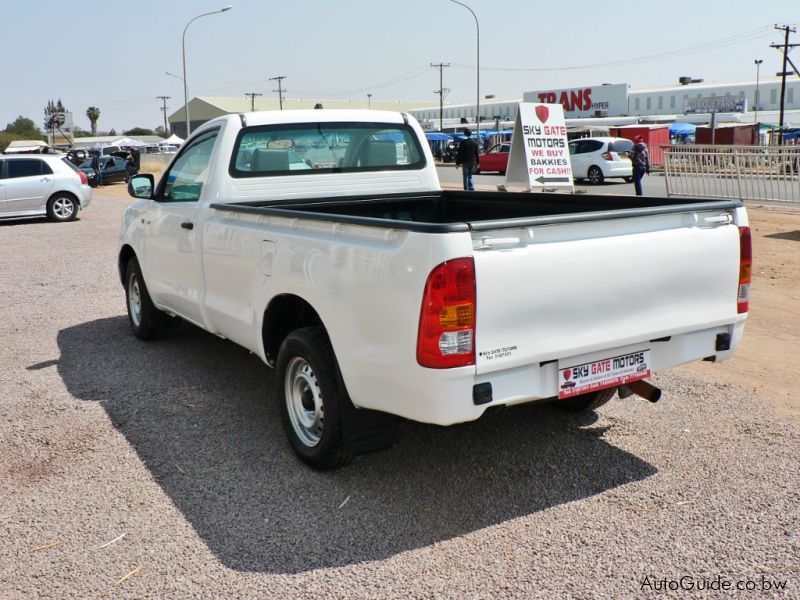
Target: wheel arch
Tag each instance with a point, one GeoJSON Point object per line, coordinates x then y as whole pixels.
{"type": "Point", "coordinates": [284, 314]}
{"type": "Point", "coordinates": [125, 254]}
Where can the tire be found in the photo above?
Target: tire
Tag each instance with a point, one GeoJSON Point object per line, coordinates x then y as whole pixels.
{"type": "Point", "coordinates": [595, 175]}
{"type": "Point", "coordinates": [502, 172]}
{"type": "Point", "coordinates": [62, 207]}
{"type": "Point", "coordinates": [585, 402]}
{"type": "Point", "coordinates": [144, 318]}
{"type": "Point", "coordinates": [628, 179]}
{"type": "Point", "coordinates": [323, 427]}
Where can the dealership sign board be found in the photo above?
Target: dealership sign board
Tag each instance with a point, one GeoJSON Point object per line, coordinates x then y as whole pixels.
{"type": "Point", "coordinates": [599, 100]}
{"type": "Point", "coordinates": [707, 104]}
{"type": "Point", "coordinates": [539, 154]}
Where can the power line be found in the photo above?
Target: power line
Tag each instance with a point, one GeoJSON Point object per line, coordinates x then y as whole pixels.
{"type": "Point", "coordinates": [785, 46]}
{"type": "Point", "coordinates": [164, 109]}
{"type": "Point", "coordinates": [738, 38]}
{"type": "Point", "coordinates": [252, 96]}
{"type": "Point", "coordinates": [280, 90]}
{"type": "Point", "coordinates": [441, 66]}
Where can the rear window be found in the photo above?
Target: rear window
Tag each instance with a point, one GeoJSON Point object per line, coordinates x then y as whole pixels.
{"type": "Point", "coordinates": [297, 149]}
{"type": "Point", "coordinates": [28, 167]}
{"type": "Point", "coordinates": [620, 146]}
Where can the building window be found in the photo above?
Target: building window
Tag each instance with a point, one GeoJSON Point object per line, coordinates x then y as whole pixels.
{"type": "Point", "coordinates": [636, 104]}
{"type": "Point", "coordinates": [672, 101]}
{"type": "Point", "coordinates": [660, 102]}
{"type": "Point", "coordinates": [773, 96]}
{"type": "Point", "coordinates": [790, 96]}
{"type": "Point", "coordinates": [647, 103]}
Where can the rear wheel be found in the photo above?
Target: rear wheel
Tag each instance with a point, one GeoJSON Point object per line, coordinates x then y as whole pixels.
{"type": "Point", "coordinates": [62, 207]}
{"type": "Point", "coordinates": [595, 175]}
{"type": "Point", "coordinates": [585, 402]}
{"type": "Point", "coordinates": [628, 179]}
{"type": "Point", "coordinates": [324, 429]}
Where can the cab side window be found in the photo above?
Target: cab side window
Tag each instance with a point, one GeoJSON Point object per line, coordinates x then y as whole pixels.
{"type": "Point", "coordinates": [185, 180]}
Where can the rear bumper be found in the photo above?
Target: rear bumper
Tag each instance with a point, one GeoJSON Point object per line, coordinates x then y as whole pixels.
{"type": "Point", "coordinates": [447, 396]}
{"type": "Point", "coordinates": [618, 170]}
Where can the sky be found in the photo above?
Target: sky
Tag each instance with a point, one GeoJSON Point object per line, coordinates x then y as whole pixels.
{"type": "Point", "coordinates": [113, 55]}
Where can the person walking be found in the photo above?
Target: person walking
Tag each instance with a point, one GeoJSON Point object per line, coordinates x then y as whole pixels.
{"type": "Point", "coordinates": [98, 173]}
{"type": "Point", "coordinates": [640, 158]}
{"type": "Point", "coordinates": [467, 158]}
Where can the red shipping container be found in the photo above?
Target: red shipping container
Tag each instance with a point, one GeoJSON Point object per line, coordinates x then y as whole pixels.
{"type": "Point", "coordinates": [740, 135]}
{"type": "Point", "coordinates": [655, 136]}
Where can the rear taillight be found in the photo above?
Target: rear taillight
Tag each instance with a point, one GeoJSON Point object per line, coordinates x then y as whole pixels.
{"type": "Point", "coordinates": [446, 336]}
{"type": "Point", "coordinates": [745, 270]}
{"type": "Point", "coordinates": [607, 156]}
{"type": "Point", "coordinates": [84, 179]}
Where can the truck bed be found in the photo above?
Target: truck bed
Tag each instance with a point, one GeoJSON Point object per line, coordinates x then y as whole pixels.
{"type": "Point", "coordinates": [455, 210]}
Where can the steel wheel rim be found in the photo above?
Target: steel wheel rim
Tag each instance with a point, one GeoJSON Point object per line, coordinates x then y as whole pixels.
{"type": "Point", "coordinates": [63, 208]}
{"type": "Point", "coordinates": [135, 301]}
{"type": "Point", "coordinates": [304, 402]}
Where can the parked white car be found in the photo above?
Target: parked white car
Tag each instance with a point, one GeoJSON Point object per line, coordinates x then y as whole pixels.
{"type": "Point", "coordinates": [42, 184]}
{"type": "Point", "coordinates": [600, 158]}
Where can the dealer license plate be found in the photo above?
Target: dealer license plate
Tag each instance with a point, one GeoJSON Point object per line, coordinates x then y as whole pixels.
{"type": "Point", "coordinates": [584, 378]}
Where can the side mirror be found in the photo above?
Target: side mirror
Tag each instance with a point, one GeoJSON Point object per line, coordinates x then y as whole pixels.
{"type": "Point", "coordinates": [141, 186]}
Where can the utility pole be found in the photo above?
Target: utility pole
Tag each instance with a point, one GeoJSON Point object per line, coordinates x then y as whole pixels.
{"type": "Point", "coordinates": [252, 96]}
{"type": "Point", "coordinates": [164, 110]}
{"type": "Point", "coordinates": [441, 91]}
{"type": "Point", "coordinates": [280, 90]}
{"type": "Point", "coordinates": [786, 45]}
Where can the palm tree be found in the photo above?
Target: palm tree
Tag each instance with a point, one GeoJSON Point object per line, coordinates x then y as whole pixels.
{"type": "Point", "coordinates": [94, 114]}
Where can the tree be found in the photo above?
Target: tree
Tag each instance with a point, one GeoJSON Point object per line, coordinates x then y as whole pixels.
{"type": "Point", "coordinates": [112, 132]}
{"type": "Point", "coordinates": [25, 128]}
{"type": "Point", "coordinates": [138, 131]}
{"type": "Point", "coordinates": [54, 115]}
{"type": "Point", "coordinates": [94, 115]}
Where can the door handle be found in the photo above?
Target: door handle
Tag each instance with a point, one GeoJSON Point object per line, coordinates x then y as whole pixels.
{"type": "Point", "coordinates": [187, 225]}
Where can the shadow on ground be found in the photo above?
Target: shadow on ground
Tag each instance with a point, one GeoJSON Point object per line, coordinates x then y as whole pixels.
{"type": "Point", "coordinates": [200, 413]}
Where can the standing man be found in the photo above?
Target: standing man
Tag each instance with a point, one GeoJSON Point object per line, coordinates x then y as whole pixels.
{"type": "Point", "coordinates": [98, 174]}
{"type": "Point", "coordinates": [640, 158]}
{"type": "Point", "coordinates": [467, 159]}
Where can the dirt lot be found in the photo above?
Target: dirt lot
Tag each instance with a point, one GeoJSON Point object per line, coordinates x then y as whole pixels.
{"type": "Point", "coordinates": [160, 470]}
{"type": "Point", "coordinates": [766, 361]}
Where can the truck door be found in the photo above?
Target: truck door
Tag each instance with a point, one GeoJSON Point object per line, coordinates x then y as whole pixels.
{"type": "Point", "coordinates": [172, 259]}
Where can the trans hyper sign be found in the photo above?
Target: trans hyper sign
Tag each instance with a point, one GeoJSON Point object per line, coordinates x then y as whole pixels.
{"type": "Point", "coordinates": [585, 101]}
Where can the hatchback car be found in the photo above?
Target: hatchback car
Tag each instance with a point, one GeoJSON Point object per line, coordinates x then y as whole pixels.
{"type": "Point", "coordinates": [33, 185]}
{"type": "Point", "coordinates": [600, 158]}
{"type": "Point", "coordinates": [112, 168]}
{"type": "Point", "coordinates": [496, 158]}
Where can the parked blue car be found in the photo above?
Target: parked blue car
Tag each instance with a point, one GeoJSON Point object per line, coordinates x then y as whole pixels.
{"type": "Point", "coordinates": [112, 168]}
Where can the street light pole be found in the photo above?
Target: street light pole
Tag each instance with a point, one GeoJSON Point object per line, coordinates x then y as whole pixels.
{"type": "Point", "coordinates": [369, 101]}
{"type": "Point", "coordinates": [478, 69]}
{"type": "Point", "coordinates": [183, 48]}
{"type": "Point", "coordinates": [757, 62]}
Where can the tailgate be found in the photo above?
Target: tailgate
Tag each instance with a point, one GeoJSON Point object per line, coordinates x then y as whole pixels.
{"type": "Point", "coordinates": [547, 292]}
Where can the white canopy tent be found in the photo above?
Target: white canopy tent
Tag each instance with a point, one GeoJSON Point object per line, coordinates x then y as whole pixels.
{"type": "Point", "coordinates": [172, 140]}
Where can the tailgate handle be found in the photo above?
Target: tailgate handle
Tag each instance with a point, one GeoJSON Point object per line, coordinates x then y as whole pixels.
{"type": "Point", "coordinates": [487, 243]}
{"type": "Point", "coordinates": [718, 219]}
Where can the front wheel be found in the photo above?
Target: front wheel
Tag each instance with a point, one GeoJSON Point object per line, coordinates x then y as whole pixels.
{"type": "Point", "coordinates": [62, 207]}
{"type": "Point", "coordinates": [144, 318]}
{"type": "Point", "coordinates": [585, 402]}
{"type": "Point", "coordinates": [595, 175]}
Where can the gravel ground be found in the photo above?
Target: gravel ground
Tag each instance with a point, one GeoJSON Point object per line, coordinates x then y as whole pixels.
{"type": "Point", "coordinates": [165, 462]}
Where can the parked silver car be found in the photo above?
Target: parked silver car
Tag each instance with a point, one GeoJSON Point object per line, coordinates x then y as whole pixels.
{"type": "Point", "coordinates": [42, 184]}
{"type": "Point", "coordinates": [599, 158]}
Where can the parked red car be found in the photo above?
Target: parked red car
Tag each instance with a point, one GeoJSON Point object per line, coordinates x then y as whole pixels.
{"type": "Point", "coordinates": [496, 158]}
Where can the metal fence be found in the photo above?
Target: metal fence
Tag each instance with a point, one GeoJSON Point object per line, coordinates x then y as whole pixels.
{"type": "Point", "coordinates": [740, 172]}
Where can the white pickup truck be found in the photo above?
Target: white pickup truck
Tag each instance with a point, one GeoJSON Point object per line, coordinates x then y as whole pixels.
{"type": "Point", "coordinates": [322, 241]}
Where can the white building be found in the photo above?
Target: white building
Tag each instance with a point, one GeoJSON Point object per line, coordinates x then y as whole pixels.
{"type": "Point", "coordinates": [617, 104]}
